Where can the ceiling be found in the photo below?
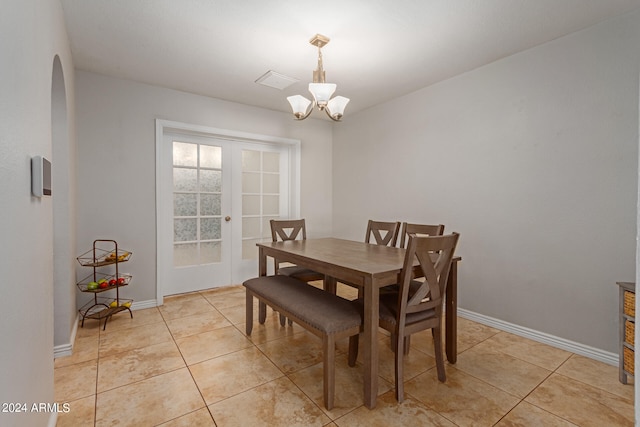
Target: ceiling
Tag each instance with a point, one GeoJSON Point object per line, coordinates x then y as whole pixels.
{"type": "Point", "coordinates": [379, 49]}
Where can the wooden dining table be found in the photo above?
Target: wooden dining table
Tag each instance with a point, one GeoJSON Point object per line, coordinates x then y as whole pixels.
{"type": "Point", "coordinates": [369, 267]}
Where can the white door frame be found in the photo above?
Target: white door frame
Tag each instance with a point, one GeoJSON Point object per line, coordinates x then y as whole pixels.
{"type": "Point", "coordinates": [168, 126]}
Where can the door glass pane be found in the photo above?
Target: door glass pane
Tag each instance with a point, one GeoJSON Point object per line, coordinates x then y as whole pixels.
{"type": "Point", "coordinates": [271, 162]}
{"type": "Point", "coordinates": [185, 179]}
{"type": "Point", "coordinates": [249, 248]}
{"type": "Point", "coordinates": [185, 254]}
{"type": "Point", "coordinates": [251, 227]}
{"type": "Point", "coordinates": [185, 230]}
{"type": "Point", "coordinates": [185, 154]}
{"type": "Point", "coordinates": [271, 183]}
{"type": "Point", "coordinates": [210, 228]}
{"type": "Point", "coordinates": [210, 180]}
{"type": "Point", "coordinates": [210, 252]}
{"type": "Point", "coordinates": [185, 204]}
{"type": "Point", "coordinates": [210, 204]}
{"type": "Point", "coordinates": [250, 161]}
{"type": "Point", "coordinates": [210, 157]}
{"type": "Point", "coordinates": [250, 205]}
{"type": "Point", "coordinates": [250, 182]}
{"type": "Point", "coordinates": [271, 205]}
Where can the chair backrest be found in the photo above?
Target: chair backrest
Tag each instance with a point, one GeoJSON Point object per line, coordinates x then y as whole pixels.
{"type": "Point", "coordinates": [420, 230]}
{"type": "Point", "coordinates": [376, 228]}
{"type": "Point", "coordinates": [288, 229]}
{"type": "Point", "coordinates": [434, 254]}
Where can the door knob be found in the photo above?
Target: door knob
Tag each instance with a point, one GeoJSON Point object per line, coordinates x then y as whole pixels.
{"type": "Point", "coordinates": [227, 218]}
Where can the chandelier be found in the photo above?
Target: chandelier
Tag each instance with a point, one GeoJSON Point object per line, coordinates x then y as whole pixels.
{"type": "Point", "coordinates": [321, 91]}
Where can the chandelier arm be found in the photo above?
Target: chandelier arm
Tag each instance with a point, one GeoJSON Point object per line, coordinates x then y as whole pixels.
{"type": "Point", "coordinates": [326, 110]}
{"type": "Point", "coordinates": [309, 110]}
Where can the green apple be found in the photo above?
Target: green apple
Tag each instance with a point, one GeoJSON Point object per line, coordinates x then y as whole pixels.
{"type": "Point", "coordinates": [92, 286]}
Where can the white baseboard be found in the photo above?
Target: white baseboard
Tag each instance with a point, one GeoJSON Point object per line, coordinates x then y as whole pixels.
{"type": "Point", "coordinates": [141, 305]}
{"type": "Point", "coordinates": [561, 343]}
{"type": "Point", "coordinates": [53, 419]}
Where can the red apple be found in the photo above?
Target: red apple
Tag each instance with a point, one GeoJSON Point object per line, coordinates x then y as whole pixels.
{"type": "Point", "coordinates": [103, 285]}
{"type": "Point", "coordinates": [120, 280]}
{"type": "Point", "coordinates": [112, 282]}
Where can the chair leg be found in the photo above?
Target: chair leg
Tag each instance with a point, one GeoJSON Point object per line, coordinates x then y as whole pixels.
{"type": "Point", "coordinates": [282, 319]}
{"type": "Point", "coordinates": [437, 344]}
{"type": "Point", "coordinates": [329, 369]}
{"type": "Point", "coordinates": [353, 349]}
{"type": "Point", "coordinates": [399, 369]}
{"type": "Point", "coordinates": [249, 313]}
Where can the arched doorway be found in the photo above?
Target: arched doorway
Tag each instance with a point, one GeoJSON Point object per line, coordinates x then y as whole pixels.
{"type": "Point", "coordinates": [64, 299]}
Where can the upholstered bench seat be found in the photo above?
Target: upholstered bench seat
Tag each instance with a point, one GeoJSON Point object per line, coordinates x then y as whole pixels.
{"type": "Point", "coordinates": [324, 314]}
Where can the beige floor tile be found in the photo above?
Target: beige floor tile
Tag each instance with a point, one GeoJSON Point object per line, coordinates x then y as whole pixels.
{"type": "Point", "coordinates": [196, 324]}
{"type": "Point", "coordinates": [294, 353]}
{"type": "Point", "coordinates": [207, 345]}
{"type": "Point", "coordinates": [149, 402]}
{"type": "Point", "coordinates": [234, 373]}
{"type": "Point", "coordinates": [581, 403]}
{"type": "Point", "coordinates": [138, 364]}
{"type": "Point", "coordinates": [184, 305]}
{"type": "Point", "coordinates": [388, 412]}
{"type": "Point", "coordinates": [75, 381]}
{"type": "Point", "coordinates": [117, 341]}
{"type": "Point", "coordinates": [276, 403]}
{"type": "Point", "coordinates": [270, 330]}
{"type": "Point", "coordinates": [349, 388]}
{"type": "Point", "coordinates": [528, 350]}
{"type": "Point", "coordinates": [462, 399]}
{"type": "Point", "coordinates": [525, 415]}
{"type": "Point", "coordinates": [84, 349]}
{"type": "Point", "coordinates": [199, 418]}
{"type": "Point", "coordinates": [501, 370]}
{"type": "Point", "coordinates": [228, 298]}
{"type": "Point", "coordinates": [140, 318]}
{"type": "Point", "coordinates": [82, 412]}
{"type": "Point", "coordinates": [91, 328]}
{"type": "Point", "coordinates": [597, 374]}
{"type": "Point", "coordinates": [238, 314]}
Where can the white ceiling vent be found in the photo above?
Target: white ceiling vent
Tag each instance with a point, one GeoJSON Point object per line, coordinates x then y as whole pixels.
{"type": "Point", "coordinates": [276, 80]}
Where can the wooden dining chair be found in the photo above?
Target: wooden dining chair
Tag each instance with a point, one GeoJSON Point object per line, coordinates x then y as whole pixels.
{"type": "Point", "coordinates": [418, 305]}
{"type": "Point", "coordinates": [419, 230]}
{"type": "Point", "coordinates": [292, 229]}
{"type": "Point", "coordinates": [377, 228]}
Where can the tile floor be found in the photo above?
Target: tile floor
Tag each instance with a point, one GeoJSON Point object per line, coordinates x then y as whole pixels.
{"type": "Point", "coordinates": [189, 363]}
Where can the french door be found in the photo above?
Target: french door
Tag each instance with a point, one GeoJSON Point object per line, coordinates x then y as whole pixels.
{"type": "Point", "coordinates": [215, 199]}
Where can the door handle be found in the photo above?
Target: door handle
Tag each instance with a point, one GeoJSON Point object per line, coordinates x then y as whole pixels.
{"type": "Point", "coordinates": [227, 218]}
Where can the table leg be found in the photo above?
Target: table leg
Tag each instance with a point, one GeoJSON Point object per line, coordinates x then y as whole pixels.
{"type": "Point", "coordinates": [330, 284]}
{"type": "Point", "coordinates": [451, 314]}
{"type": "Point", "coordinates": [370, 335]}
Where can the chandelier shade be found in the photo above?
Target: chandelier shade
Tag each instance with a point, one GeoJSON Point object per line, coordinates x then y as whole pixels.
{"type": "Point", "coordinates": [321, 91]}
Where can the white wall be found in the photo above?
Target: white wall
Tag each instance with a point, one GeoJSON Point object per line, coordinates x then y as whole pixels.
{"type": "Point", "coordinates": [31, 34]}
{"type": "Point", "coordinates": [533, 159]}
{"type": "Point", "coordinates": [116, 154]}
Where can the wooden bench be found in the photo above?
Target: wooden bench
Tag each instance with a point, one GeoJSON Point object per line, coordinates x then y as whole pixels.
{"type": "Point", "coordinates": [326, 315]}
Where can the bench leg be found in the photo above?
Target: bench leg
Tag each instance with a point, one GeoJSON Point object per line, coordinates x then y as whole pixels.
{"type": "Point", "coordinates": [329, 369]}
{"type": "Point", "coordinates": [249, 313]}
{"type": "Point", "coordinates": [262, 312]}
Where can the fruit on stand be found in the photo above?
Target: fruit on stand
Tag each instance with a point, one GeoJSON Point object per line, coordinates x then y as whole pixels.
{"type": "Point", "coordinates": [102, 280]}
{"type": "Point", "coordinates": [103, 285]}
{"type": "Point", "coordinates": [113, 304]}
{"type": "Point", "coordinates": [127, 304]}
{"type": "Point", "coordinates": [112, 282]}
{"type": "Point", "coordinates": [92, 286]}
{"type": "Point", "coordinates": [121, 281]}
